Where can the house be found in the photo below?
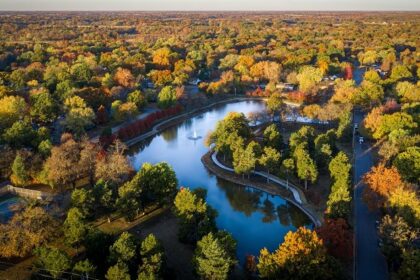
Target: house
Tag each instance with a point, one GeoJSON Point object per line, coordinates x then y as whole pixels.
{"type": "Point", "coordinates": [285, 86]}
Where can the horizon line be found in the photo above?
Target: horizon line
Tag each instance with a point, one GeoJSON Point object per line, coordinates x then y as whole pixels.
{"type": "Point", "coordinates": [223, 11]}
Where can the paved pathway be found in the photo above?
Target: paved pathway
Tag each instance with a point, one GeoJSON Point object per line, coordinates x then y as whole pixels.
{"type": "Point", "coordinates": [299, 199]}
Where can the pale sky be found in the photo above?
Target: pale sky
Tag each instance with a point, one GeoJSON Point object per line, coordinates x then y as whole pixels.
{"type": "Point", "coordinates": [209, 5]}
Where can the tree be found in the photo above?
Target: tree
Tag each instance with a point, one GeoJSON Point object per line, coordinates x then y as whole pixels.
{"type": "Point", "coordinates": [308, 77]}
{"type": "Point", "coordinates": [381, 182]}
{"type": "Point", "coordinates": [123, 77]}
{"type": "Point", "coordinates": [20, 176]}
{"type": "Point", "coordinates": [229, 131]}
{"type": "Point", "coordinates": [166, 97]}
{"type": "Point", "coordinates": [54, 261]}
{"type": "Point", "coordinates": [126, 111]}
{"type": "Point", "coordinates": [272, 137]}
{"type": "Point", "coordinates": [75, 227]}
{"type": "Point", "coordinates": [81, 72]}
{"type": "Point", "coordinates": [302, 255]}
{"type": "Point", "coordinates": [138, 98]}
{"type": "Point", "coordinates": [211, 258]}
{"type": "Point", "coordinates": [397, 236]}
{"type": "Point", "coordinates": [62, 166]}
{"type": "Point", "coordinates": [372, 76]}
{"type": "Point", "coordinates": [114, 166]}
{"type": "Point", "coordinates": [78, 114]}
{"type": "Point", "coordinates": [43, 106]}
{"type": "Point", "coordinates": [196, 217]}
{"type": "Point", "coordinates": [400, 72]}
{"type": "Point", "coordinates": [337, 237]}
{"type": "Point", "coordinates": [369, 94]}
{"type": "Point", "coordinates": [129, 199]}
{"type": "Point", "coordinates": [305, 166]}
{"type": "Point", "coordinates": [288, 165]}
{"type": "Point", "coordinates": [410, 265]}
{"type": "Point", "coordinates": [158, 182]}
{"type": "Point", "coordinates": [405, 202]}
{"type": "Point", "coordinates": [338, 204]}
{"type": "Point", "coordinates": [118, 272]}
{"type": "Point", "coordinates": [344, 91]}
{"type": "Point", "coordinates": [244, 160]}
{"type": "Point", "coordinates": [26, 230]}
{"type": "Point", "coordinates": [270, 159]}
{"type": "Point", "coordinates": [408, 92]}
{"type": "Point", "coordinates": [152, 258]}
{"type": "Point", "coordinates": [124, 249]}
{"type": "Point", "coordinates": [84, 200]}
{"type": "Point", "coordinates": [275, 103]}
{"type": "Point", "coordinates": [391, 122]}
{"type": "Point", "coordinates": [20, 134]}
{"type": "Point", "coordinates": [85, 268]}
{"type": "Point", "coordinates": [163, 57]}
{"type": "Point", "coordinates": [408, 164]}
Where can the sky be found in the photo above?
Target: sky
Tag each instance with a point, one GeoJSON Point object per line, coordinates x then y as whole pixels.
{"type": "Point", "coordinates": [210, 5]}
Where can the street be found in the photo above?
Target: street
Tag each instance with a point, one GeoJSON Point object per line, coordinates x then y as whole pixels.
{"type": "Point", "coordinates": [370, 264]}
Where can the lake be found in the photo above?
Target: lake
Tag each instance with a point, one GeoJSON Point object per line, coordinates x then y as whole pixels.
{"type": "Point", "coordinates": [255, 218]}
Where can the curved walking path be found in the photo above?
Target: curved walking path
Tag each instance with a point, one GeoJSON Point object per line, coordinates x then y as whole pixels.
{"type": "Point", "coordinates": [299, 197]}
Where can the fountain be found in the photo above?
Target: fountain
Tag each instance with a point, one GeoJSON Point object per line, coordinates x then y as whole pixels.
{"type": "Point", "coordinates": [194, 136]}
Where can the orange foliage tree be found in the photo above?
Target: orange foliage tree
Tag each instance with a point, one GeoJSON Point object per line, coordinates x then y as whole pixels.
{"type": "Point", "coordinates": [381, 182]}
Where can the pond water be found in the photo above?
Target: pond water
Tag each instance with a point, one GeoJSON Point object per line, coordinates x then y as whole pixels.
{"type": "Point", "coordinates": [255, 218]}
{"type": "Point", "coordinates": [8, 206]}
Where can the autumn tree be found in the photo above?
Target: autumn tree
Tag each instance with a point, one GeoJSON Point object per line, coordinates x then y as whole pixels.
{"type": "Point", "coordinates": [78, 114]}
{"type": "Point", "coordinates": [408, 164]}
{"type": "Point", "coordinates": [396, 236]}
{"type": "Point", "coordinates": [167, 97]}
{"type": "Point", "coordinates": [337, 237]}
{"type": "Point", "coordinates": [381, 181]}
{"type": "Point", "coordinates": [302, 255]}
{"type": "Point", "coordinates": [124, 78]}
{"type": "Point", "coordinates": [25, 231]}
{"type": "Point", "coordinates": [62, 166]}
{"type": "Point", "coordinates": [308, 78]}
{"type": "Point", "coordinates": [114, 166]}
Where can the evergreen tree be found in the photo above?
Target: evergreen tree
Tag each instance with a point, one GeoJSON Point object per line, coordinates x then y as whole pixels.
{"type": "Point", "coordinates": [19, 176]}
{"type": "Point", "coordinates": [305, 166]}
{"type": "Point", "coordinates": [211, 258]}
{"type": "Point", "coordinates": [75, 227]}
{"type": "Point", "coordinates": [152, 258]}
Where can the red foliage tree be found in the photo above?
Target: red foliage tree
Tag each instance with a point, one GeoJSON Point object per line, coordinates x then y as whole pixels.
{"type": "Point", "coordinates": [338, 238]}
{"type": "Point", "coordinates": [348, 72]}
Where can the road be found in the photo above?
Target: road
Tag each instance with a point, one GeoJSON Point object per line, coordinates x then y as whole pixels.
{"type": "Point", "coordinates": [370, 264]}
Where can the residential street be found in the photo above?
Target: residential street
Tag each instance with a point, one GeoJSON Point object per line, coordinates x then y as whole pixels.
{"type": "Point", "coordinates": [370, 264]}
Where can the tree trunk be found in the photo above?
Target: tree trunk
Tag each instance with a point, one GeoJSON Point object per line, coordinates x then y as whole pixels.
{"type": "Point", "coordinates": [306, 184]}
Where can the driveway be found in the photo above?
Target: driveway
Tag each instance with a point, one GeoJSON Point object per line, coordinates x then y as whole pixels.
{"type": "Point", "coordinates": [370, 264]}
